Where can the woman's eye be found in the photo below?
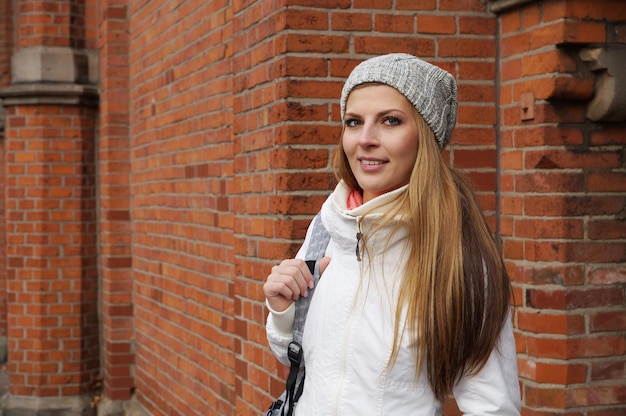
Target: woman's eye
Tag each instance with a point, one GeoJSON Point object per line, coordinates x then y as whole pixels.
{"type": "Point", "coordinates": [392, 121]}
{"type": "Point", "coordinates": [352, 122]}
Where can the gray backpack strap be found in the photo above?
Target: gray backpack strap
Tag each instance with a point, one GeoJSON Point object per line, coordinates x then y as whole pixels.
{"type": "Point", "coordinates": [315, 251]}
{"type": "Point", "coordinates": [294, 386]}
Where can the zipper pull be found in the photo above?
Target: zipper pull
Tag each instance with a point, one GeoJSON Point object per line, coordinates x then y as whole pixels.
{"type": "Point", "coordinates": [359, 236]}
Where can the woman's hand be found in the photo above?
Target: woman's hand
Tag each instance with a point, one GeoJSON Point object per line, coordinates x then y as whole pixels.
{"type": "Point", "coordinates": [288, 281]}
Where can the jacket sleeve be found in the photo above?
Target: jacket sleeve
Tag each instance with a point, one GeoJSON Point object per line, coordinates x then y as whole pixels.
{"type": "Point", "coordinates": [494, 390]}
{"type": "Point", "coordinates": [279, 325]}
{"type": "Point", "coordinates": [279, 330]}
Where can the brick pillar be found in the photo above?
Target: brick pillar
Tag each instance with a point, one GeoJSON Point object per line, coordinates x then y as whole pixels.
{"type": "Point", "coordinates": [117, 341]}
{"type": "Point", "coordinates": [283, 139]}
{"type": "Point", "coordinates": [50, 203]}
{"type": "Point", "coordinates": [563, 203]}
{"type": "Point", "coordinates": [6, 44]}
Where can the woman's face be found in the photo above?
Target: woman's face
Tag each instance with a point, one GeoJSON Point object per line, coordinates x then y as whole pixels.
{"type": "Point", "coordinates": [379, 138]}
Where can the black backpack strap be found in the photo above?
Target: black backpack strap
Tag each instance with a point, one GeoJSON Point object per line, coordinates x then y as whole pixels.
{"type": "Point", "coordinates": [315, 251]}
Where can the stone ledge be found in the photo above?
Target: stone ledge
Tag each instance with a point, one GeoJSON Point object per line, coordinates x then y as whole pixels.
{"type": "Point", "coordinates": [47, 406]}
{"type": "Point", "coordinates": [500, 6]}
{"type": "Point", "coordinates": [49, 93]}
{"type": "Point", "coordinates": [108, 407]}
{"type": "Point", "coordinates": [136, 409]}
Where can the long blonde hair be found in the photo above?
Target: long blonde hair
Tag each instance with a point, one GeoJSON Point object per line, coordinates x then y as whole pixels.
{"type": "Point", "coordinates": [455, 289]}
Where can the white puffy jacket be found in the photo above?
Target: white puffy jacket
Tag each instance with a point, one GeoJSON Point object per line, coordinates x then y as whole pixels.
{"type": "Point", "coordinates": [349, 333]}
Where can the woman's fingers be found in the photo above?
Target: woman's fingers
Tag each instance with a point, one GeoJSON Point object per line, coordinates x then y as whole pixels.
{"type": "Point", "coordinates": [287, 282]}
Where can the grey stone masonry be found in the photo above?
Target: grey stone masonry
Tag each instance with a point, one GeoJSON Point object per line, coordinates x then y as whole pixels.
{"type": "Point", "coordinates": [52, 75]}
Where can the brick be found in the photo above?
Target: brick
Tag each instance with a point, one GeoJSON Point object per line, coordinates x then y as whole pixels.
{"type": "Point", "coordinates": [313, 43]}
{"type": "Point", "coordinates": [544, 397]}
{"type": "Point", "coordinates": [549, 229]}
{"type": "Point", "coordinates": [571, 205]}
{"type": "Point", "coordinates": [547, 62]}
{"type": "Point", "coordinates": [394, 23]}
{"type": "Point", "coordinates": [595, 395]}
{"type": "Point", "coordinates": [462, 5]}
{"type": "Point", "coordinates": [608, 321]}
{"type": "Point", "coordinates": [607, 275]}
{"type": "Point", "coordinates": [419, 46]}
{"type": "Point", "coordinates": [606, 230]}
{"type": "Point", "coordinates": [470, 47]}
{"type": "Point", "coordinates": [531, 16]}
{"type": "Point", "coordinates": [514, 44]}
{"type": "Point", "coordinates": [374, 4]}
{"type": "Point", "coordinates": [606, 182]}
{"type": "Point", "coordinates": [549, 182]}
{"type": "Point", "coordinates": [552, 373]}
{"type": "Point", "coordinates": [574, 251]}
{"type": "Point", "coordinates": [607, 136]}
{"type": "Point", "coordinates": [559, 348]}
{"type": "Point", "coordinates": [580, 9]}
{"type": "Point", "coordinates": [476, 25]}
{"type": "Point", "coordinates": [550, 275]}
{"type": "Point", "coordinates": [476, 70]}
{"type": "Point", "coordinates": [510, 22]}
{"type": "Point", "coordinates": [568, 32]}
{"type": "Point", "coordinates": [306, 19]}
{"type": "Point", "coordinates": [511, 70]}
{"type": "Point", "coordinates": [608, 370]}
{"type": "Point", "coordinates": [563, 159]}
{"type": "Point", "coordinates": [547, 323]}
{"type": "Point", "coordinates": [436, 24]}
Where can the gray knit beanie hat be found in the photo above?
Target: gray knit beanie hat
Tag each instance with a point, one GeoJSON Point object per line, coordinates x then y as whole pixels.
{"type": "Point", "coordinates": [430, 89]}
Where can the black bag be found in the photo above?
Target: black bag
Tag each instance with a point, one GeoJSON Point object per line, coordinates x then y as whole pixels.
{"type": "Point", "coordinates": [286, 403]}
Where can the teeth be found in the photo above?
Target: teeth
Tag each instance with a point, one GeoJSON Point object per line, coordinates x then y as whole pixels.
{"type": "Point", "coordinates": [371, 162]}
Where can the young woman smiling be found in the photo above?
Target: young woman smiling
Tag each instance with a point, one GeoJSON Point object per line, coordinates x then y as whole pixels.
{"type": "Point", "coordinates": [413, 304]}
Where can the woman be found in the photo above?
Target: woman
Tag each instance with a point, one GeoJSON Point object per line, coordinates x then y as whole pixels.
{"type": "Point", "coordinates": [413, 303]}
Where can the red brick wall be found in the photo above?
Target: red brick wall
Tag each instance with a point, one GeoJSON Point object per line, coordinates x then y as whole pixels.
{"type": "Point", "coordinates": [214, 133]}
{"type": "Point", "coordinates": [234, 114]}
{"type": "Point", "coordinates": [181, 148]}
{"type": "Point", "coordinates": [563, 193]}
{"type": "Point", "coordinates": [114, 211]}
{"type": "Point", "coordinates": [51, 250]}
{"type": "Point", "coordinates": [50, 218]}
{"type": "Point", "coordinates": [6, 45]}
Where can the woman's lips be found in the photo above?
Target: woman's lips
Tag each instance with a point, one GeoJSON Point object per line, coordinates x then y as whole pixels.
{"type": "Point", "coordinates": [371, 164]}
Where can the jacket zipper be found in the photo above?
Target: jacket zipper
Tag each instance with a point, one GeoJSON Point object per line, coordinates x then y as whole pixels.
{"type": "Point", "coordinates": [344, 361]}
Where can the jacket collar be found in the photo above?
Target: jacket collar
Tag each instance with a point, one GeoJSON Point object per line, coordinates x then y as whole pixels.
{"type": "Point", "coordinates": [373, 206]}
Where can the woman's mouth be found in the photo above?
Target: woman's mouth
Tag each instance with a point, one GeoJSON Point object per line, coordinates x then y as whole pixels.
{"type": "Point", "coordinates": [372, 162]}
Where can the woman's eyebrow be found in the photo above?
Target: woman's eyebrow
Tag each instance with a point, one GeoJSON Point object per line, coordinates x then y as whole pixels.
{"type": "Point", "coordinates": [378, 114]}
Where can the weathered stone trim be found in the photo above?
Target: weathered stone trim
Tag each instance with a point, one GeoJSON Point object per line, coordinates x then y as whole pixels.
{"type": "Point", "coordinates": [136, 409]}
{"type": "Point", "coordinates": [49, 94]}
{"type": "Point", "coordinates": [2, 122]}
{"type": "Point", "coordinates": [108, 407]}
{"type": "Point", "coordinates": [47, 406]}
{"type": "Point", "coordinates": [499, 6]}
{"type": "Point", "coordinates": [607, 63]}
{"type": "Point", "coordinates": [54, 64]}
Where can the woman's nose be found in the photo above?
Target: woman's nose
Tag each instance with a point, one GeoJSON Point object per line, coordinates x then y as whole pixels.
{"type": "Point", "coordinates": [368, 136]}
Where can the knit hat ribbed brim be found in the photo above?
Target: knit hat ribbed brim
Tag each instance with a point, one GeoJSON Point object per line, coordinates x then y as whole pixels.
{"type": "Point", "coordinates": [430, 89]}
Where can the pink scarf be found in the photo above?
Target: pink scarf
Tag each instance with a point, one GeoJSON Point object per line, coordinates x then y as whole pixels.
{"type": "Point", "coordinates": [355, 199]}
